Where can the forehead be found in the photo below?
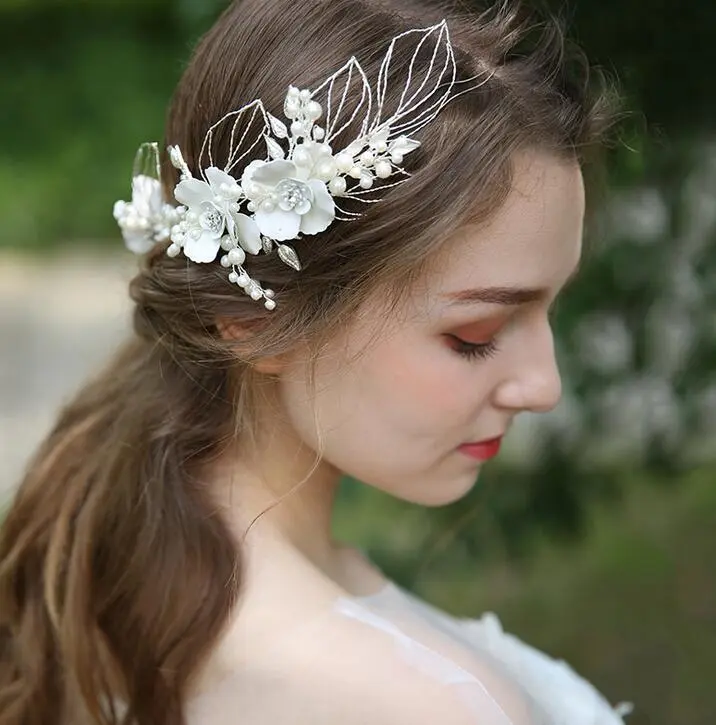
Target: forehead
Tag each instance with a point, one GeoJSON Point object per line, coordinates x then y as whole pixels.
{"type": "Point", "coordinates": [533, 240]}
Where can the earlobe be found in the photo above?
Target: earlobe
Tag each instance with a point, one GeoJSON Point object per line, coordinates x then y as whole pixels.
{"type": "Point", "coordinates": [232, 331]}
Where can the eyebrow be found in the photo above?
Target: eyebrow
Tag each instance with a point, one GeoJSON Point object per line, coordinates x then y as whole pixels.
{"type": "Point", "coordinates": [508, 296]}
{"type": "Point", "coordinates": [511, 296]}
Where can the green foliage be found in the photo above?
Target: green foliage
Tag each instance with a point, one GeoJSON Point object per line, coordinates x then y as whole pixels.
{"type": "Point", "coordinates": [73, 132]}
{"type": "Point", "coordinates": [663, 52]}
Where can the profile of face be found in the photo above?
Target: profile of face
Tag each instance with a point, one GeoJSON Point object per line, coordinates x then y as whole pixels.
{"type": "Point", "coordinates": [396, 397]}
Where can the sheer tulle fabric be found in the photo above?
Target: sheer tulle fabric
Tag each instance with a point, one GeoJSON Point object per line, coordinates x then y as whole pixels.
{"type": "Point", "coordinates": [495, 672]}
{"type": "Point", "coordinates": [483, 691]}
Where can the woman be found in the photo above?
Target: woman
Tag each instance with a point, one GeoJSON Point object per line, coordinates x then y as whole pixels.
{"type": "Point", "coordinates": [169, 558]}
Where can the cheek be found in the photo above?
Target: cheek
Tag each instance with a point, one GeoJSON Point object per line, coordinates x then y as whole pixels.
{"type": "Point", "coordinates": [408, 387]}
{"type": "Point", "coordinates": [425, 380]}
{"type": "Point", "coordinates": [399, 392]}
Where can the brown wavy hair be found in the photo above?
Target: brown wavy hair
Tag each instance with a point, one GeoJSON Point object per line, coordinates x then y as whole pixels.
{"type": "Point", "coordinates": [117, 574]}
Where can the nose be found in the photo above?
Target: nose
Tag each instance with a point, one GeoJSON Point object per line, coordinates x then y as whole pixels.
{"type": "Point", "coordinates": [532, 382]}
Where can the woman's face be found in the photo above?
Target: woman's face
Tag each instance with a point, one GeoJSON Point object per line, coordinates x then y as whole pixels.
{"type": "Point", "coordinates": [395, 400]}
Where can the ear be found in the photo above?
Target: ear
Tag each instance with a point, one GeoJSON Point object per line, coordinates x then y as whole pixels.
{"type": "Point", "coordinates": [231, 330]}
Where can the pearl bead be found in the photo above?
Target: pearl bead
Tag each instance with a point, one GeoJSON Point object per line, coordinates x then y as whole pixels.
{"type": "Point", "coordinates": [326, 169]}
{"type": "Point", "coordinates": [237, 256]}
{"type": "Point", "coordinates": [365, 182]}
{"type": "Point", "coordinates": [243, 280]}
{"type": "Point", "coordinates": [234, 206]}
{"type": "Point", "coordinates": [292, 92]}
{"type": "Point", "coordinates": [318, 133]}
{"type": "Point", "coordinates": [367, 158]}
{"type": "Point", "coordinates": [356, 171]}
{"type": "Point", "coordinates": [301, 157]}
{"type": "Point", "coordinates": [251, 206]}
{"type": "Point", "coordinates": [297, 128]}
{"type": "Point", "coordinates": [381, 147]}
{"type": "Point", "coordinates": [233, 192]}
{"type": "Point", "coordinates": [344, 162]}
{"type": "Point", "coordinates": [305, 95]}
{"type": "Point", "coordinates": [396, 158]}
{"type": "Point", "coordinates": [269, 293]}
{"type": "Point", "coordinates": [225, 261]}
{"type": "Point", "coordinates": [268, 205]}
{"type": "Point", "coordinates": [291, 109]}
{"type": "Point", "coordinates": [227, 243]}
{"type": "Point", "coordinates": [270, 305]}
{"type": "Point", "coordinates": [255, 294]}
{"type": "Point", "coordinates": [383, 169]}
{"type": "Point", "coordinates": [314, 110]}
{"type": "Point", "coordinates": [233, 277]}
{"type": "Point", "coordinates": [337, 186]}
{"type": "Point", "coordinates": [173, 250]}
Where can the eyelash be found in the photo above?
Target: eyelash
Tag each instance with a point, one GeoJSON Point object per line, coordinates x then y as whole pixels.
{"type": "Point", "coordinates": [474, 351]}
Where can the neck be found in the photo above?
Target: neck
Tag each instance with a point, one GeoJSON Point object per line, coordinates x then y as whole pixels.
{"type": "Point", "coordinates": [283, 497]}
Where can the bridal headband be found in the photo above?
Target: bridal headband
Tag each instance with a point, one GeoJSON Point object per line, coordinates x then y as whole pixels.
{"type": "Point", "coordinates": [235, 209]}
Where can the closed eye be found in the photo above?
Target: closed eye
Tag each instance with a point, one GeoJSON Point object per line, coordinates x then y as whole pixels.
{"type": "Point", "coordinates": [473, 350]}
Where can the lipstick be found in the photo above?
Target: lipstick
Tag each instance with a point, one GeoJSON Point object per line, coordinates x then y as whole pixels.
{"type": "Point", "coordinates": [483, 450]}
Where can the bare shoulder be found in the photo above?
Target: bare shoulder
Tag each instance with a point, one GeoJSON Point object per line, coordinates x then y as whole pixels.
{"type": "Point", "coordinates": [337, 671]}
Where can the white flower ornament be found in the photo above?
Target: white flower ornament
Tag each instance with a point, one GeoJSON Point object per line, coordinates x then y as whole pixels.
{"type": "Point", "coordinates": [292, 193]}
{"type": "Point", "coordinates": [210, 214]}
{"type": "Point", "coordinates": [287, 201]}
{"type": "Point", "coordinates": [146, 219]}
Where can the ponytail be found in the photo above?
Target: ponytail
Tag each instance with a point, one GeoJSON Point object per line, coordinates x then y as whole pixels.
{"type": "Point", "coordinates": [92, 608]}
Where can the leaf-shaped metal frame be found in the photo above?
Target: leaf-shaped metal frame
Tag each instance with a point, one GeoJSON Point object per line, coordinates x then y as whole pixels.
{"type": "Point", "coordinates": [242, 120]}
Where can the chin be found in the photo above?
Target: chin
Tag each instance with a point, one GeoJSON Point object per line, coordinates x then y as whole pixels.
{"type": "Point", "coordinates": [441, 492]}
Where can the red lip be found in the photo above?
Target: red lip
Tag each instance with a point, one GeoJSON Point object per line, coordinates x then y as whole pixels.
{"type": "Point", "coordinates": [484, 450]}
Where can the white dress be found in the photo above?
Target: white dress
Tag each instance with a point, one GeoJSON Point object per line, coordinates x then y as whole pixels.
{"type": "Point", "coordinates": [553, 693]}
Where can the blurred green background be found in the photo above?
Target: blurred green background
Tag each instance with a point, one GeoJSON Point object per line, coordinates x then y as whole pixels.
{"type": "Point", "coordinates": [593, 538]}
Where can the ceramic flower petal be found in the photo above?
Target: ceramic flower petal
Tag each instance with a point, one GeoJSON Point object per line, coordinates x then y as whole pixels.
{"type": "Point", "coordinates": [323, 210]}
{"type": "Point", "coordinates": [278, 224]}
{"type": "Point", "coordinates": [248, 233]}
{"type": "Point", "coordinates": [249, 172]}
{"type": "Point", "coordinates": [217, 177]}
{"type": "Point", "coordinates": [192, 192]}
{"type": "Point", "coordinates": [273, 172]}
{"type": "Point", "coordinates": [203, 249]}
